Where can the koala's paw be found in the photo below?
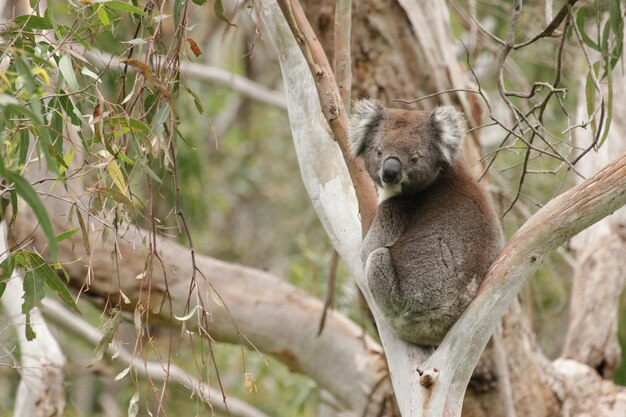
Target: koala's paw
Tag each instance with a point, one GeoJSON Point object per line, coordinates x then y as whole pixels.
{"type": "Point", "coordinates": [382, 280]}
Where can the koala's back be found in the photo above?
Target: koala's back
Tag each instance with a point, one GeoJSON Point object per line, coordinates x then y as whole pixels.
{"type": "Point", "coordinates": [441, 241]}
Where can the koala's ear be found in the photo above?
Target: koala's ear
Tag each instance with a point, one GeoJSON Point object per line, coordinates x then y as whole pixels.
{"type": "Point", "coordinates": [449, 125]}
{"type": "Point", "coordinates": [366, 116]}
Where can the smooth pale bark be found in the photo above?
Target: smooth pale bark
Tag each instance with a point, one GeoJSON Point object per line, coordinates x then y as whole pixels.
{"type": "Point", "coordinates": [585, 394]}
{"type": "Point", "coordinates": [600, 272]}
{"type": "Point", "coordinates": [323, 167]}
{"type": "Point", "coordinates": [385, 49]}
{"type": "Point", "coordinates": [41, 390]}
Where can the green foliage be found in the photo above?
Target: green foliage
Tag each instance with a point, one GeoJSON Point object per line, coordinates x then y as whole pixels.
{"type": "Point", "coordinates": [141, 162]}
{"type": "Point", "coordinates": [37, 276]}
{"type": "Point", "coordinates": [24, 189]}
{"type": "Point", "coordinates": [610, 45]}
{"type": "Point", "coordinates": [109, 329]}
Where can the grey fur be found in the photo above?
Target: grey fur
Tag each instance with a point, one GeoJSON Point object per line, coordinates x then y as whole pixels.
{"type": "Point", "coordinates": [435, 233]}
{"type": "Point", "coordinates": [366, 114]}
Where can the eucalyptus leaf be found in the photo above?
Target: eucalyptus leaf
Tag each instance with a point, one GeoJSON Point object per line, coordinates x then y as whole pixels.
{"type": "Point", "coordinates": [124, 7]}
{"type": "Point", "coordinates": [65, 66]}
{"type": "Point", "coordinates": [33, 294]}
{"type": "Point", "coordinates": [108, 329]}
{"type": "Point", "coordinates": [30, 22]}
{"type": "Point", "coordinates": [47, 275]}
{"type": "Point", "coordinates": [25, 190]}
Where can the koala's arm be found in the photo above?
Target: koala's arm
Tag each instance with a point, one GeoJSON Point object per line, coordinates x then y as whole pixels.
{"type": "Point", "coordinates": [387, 227]}
{"type": "Point", "coordinates": [382, 281]}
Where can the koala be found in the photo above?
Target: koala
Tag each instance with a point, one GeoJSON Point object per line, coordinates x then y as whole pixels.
{"type": "Point", "coordinates": [435, 232]}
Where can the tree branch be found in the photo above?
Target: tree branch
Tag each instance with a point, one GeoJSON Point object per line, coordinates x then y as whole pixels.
{"type": "Point", "coordinates": [343, 53]}
{"type": "Point", "coordinates": [259, 310]}
{"type": "Point", "coordinates": [238, 83]}
{"type": "Point", "coordinates": [600, 270]}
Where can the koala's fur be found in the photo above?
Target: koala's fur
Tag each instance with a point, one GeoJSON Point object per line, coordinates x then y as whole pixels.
{"type": "Point", "coordinates": [435, 233]}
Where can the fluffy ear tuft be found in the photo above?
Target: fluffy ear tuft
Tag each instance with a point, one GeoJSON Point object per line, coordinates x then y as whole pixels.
{"type": "Point", "coordinates": [366, 116]}
{"type": "Point", "coordinates": [449, 124]}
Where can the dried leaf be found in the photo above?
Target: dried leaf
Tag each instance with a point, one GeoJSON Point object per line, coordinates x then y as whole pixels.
{"type": "Point", "coordinates": [186, 316]}
{"type": "Point", "coordinates": [194, 47]}
{"type": "Point", "coordinates": [135, 63]}
{"type": "Point", "coordinates": [216, 298]}
{"type": "Point", "coordinates": [249, 382]}
{"type": "Point", "coordinates": [133, 405]}
{"type": "Point", "coordinates": [124, 297]}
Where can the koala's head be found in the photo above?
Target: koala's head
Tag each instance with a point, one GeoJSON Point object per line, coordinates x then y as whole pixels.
{"type": "Point", "coordinates": [404, 150]}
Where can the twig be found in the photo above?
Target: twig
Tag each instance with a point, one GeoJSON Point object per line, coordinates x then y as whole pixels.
{"type": "Point", "coordinates": [343, 53]}
{"type": "Point", "coordinates": [487, 32]}
{"type": "Point", "coordinates": [330, 289]}
{"type": "Point", "coordinates": [534, 89]}
{"type": "Point", "coordinates": [554, 24]}
{"type": "Point", "coordinates": [452, 90]}
{"type": "Point", "coordinates": [517, 10]}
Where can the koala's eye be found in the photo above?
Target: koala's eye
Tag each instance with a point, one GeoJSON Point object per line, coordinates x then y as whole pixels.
{"type": "Point", "coordinates": [379, 153]}
{"type": "Point", "coordinates": [414, 160]}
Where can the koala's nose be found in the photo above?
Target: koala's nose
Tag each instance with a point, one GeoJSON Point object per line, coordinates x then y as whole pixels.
{"type": "Point", "coordinates": [392, 168]}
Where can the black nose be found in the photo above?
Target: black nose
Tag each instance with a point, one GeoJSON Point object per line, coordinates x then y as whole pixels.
{"type": "Point", "coordinates": [392, 168]}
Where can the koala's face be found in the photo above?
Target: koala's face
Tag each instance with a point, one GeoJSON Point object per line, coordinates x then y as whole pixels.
{"type": "Point", "coordinates": [404, 151]}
